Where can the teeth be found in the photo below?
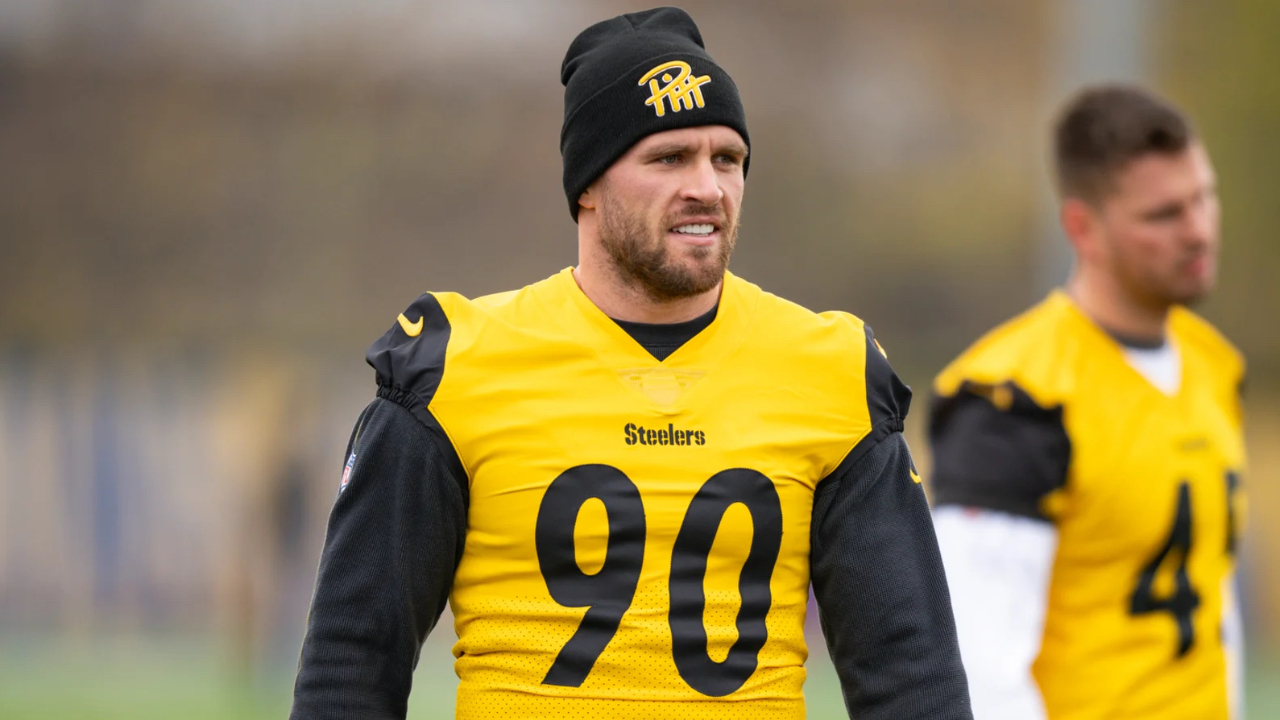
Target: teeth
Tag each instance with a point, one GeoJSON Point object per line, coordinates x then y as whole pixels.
{"type": "Point", "coordinates": [704, 229]}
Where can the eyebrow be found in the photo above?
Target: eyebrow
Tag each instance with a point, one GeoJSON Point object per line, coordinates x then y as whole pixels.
{"type": "Point", "coordinates": [677, 148]}
{"type": "Point", "coordinates": [1173, 207]}
{"type": "Point", "coordinates": [733, 148]}
{"type": "Point", "coordinates": [669, 149]}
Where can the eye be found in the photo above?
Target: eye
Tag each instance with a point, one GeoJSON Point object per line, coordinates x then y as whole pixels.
{"type": "Point", "coordinates": [728, 159]}
{"type": "Point", "coordinates": [669, 159]}
{"type": "Point", "coordinates": [1165, 214]}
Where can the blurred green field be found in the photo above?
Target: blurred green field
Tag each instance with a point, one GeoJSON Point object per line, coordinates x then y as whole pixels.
{"type": "Point", "coordinates": [146, 680]}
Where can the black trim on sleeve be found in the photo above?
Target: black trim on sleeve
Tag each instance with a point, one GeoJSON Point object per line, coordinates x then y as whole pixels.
{"type": "Point", "coordinates": [413, 363]}
{"type": "Point", "coordinates": [995, 448]}
{"type": "Point", "coordinates": [410, 367]}
{"type": "Point", "coordinates": [882, 595]}
{"type": "Point", "coordinates": [888, 401]}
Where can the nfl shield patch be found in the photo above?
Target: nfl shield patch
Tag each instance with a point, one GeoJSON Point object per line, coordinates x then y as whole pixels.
{"type": "Point", "coordinates": [346, 472]}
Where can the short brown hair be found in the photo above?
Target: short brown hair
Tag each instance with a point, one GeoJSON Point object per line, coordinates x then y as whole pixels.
{"type": "Point", "coordinates": [1105, 127]}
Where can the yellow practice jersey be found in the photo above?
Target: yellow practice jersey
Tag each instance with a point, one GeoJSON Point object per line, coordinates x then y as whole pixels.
{"type": "Point", "coordinates": [1045, 418]}
{"type": "Point", "coordinates": [638, 531]}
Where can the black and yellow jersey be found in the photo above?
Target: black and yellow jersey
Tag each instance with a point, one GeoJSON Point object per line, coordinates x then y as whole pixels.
{"type": "Point", "coordinates": [1044, 418]}
{"type": "Point", "coordinates": [638, 535]}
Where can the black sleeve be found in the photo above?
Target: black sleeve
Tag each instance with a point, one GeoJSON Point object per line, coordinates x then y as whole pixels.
{"type": "Point", "coordinates": [877, 573]}
{"type": "Point", "coordinates": [882, 595]}
{"type": "Point", "coordinates": [394, 539]}
{"type": "Point", "coordinates": [995, 448]}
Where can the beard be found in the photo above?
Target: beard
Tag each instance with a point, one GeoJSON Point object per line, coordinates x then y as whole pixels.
{"type": "Point", "coordinates": [643, 261]}
{"type": "Point", "coordinates": [1160, 290]}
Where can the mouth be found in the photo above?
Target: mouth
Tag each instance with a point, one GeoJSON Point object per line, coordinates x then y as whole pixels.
{"type": "Point", "coordinates": [1196, 266]}
{"type": "Point", "coordinates": [698, 231]}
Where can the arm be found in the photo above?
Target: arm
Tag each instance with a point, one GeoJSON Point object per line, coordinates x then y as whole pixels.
{"type": "Point", "coordinates": [997, 455]}
{"type": "Point", "coordinates": [998, 567]}
{"type": "Point", "coordinates": [879, 583]}
{"type": "Point", "coordinates": [394, 539]}
{"type": "Point", "coordinates": [877, 575]}
{"type": "Point", "coordinates": [1233, 644]}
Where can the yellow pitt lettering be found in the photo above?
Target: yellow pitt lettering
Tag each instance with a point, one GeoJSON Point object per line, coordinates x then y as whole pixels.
{"type": "Point", "coordinates": [683, 89]}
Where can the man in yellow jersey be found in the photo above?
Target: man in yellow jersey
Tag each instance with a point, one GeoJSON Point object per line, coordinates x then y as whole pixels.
{"type": "Point", "coordinates": [1088, 453]}
{"type": "Point", "coordinates": [624, 478]}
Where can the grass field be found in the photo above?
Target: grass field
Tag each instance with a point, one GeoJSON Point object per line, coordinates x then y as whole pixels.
{"type": "Point", "coordinates": [148, 680]}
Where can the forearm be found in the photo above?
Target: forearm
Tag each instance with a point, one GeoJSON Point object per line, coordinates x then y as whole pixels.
{"type": "Point", "coordinates": [1233, 642]}
{"type": "Point", "coordinates": [393, 541]}
{"type": "Point", "coordinates": [880, 587]}
{"type": "Point", "coordinates": [998, 570]}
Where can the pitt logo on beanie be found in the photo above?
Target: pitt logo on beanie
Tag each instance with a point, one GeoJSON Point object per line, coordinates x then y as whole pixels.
{"type": "Point", "coordinates": [683, 88]}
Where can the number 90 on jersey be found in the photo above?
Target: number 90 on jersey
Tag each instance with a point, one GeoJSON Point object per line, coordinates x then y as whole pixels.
{"type": "Point", "coordinates": [608, 593]}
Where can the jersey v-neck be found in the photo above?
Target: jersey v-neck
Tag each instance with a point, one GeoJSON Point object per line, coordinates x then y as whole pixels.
{"type": "Point", "coordinates": [1159, 365]}
{"type": "Point", "coordinates": [617, 349]}
{"type": "Point", "coordinates": [662, 339]}
{"type": "Point", "coordinates": [1156, 360]}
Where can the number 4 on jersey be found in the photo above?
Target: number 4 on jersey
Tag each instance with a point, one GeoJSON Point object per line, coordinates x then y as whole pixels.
{"type": "Point", "coordinates": [1184, 600]}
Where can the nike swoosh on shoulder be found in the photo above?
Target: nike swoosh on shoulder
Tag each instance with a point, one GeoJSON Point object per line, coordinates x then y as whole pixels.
{"type": "Point", "coordinates": [412, 329]}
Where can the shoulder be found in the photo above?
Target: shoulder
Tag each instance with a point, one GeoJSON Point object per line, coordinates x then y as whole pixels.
{"type": "Point", "coordinates": [779, 315]}
{"type": "Point", "coordinates": [835, 345]}
{"type": "Point", "coordinates": [1200, 337]}
{"type": "Point", "coordinates": [1037, 351]}
{"type": "Point", "coordinates": [1220, 360]}
{"type": "Point", "coordinates": [996, 420]}
{"type": "Point", "coordinates": [411, 356]}
{"type": "Point", "coordinates": [835, 339]}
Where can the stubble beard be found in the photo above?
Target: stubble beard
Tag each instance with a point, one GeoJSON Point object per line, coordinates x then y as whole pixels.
{"type": "Point", "coordinates": [643, 262]}
{"type": "Point", "coordinates": [1159, 292]}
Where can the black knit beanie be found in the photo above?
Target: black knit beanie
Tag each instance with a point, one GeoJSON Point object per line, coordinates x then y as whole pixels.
{"type": "Point", "coordinates": [632, 76]}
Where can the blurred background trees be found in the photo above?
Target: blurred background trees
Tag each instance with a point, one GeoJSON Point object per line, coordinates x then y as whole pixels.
{"type": "Point", "coordinates": [209, 208]}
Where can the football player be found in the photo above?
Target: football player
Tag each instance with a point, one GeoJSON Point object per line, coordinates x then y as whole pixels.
{"type": "Point", "coordinates": [1088, 453]}
{"type": "Point", "coordinates": [624, 478]}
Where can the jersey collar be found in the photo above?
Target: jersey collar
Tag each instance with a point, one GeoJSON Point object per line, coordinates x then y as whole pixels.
{"type": "Point", "coordinates": [579, 316]}
{"type": "Point", "coordinates": [1113, 347]}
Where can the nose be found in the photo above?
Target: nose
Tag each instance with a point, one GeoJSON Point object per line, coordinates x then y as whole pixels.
{"type": "Point", "coordinates": [1201, 227]}
{"type": "Point", "coordinates": [702, 183]}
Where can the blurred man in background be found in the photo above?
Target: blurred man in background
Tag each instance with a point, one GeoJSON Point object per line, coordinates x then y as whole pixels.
{"type": "Point", "coordinates": [1088, 452]}
{"type": "Point", "coordinates": [625, 477]}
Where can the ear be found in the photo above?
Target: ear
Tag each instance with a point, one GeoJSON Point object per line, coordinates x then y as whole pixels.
{"type": "Point", "coordinates": [587, 200]}
{"type": "Point", "coordinates": [1080, 222]}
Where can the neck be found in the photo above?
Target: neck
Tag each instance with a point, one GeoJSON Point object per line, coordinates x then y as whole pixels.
{"type": "Point", "coordinates": [622, 298]}
{"type": "Point", "coordinates": [1105, 302]}
{"type": "Point", "coordinates": [622, 301]}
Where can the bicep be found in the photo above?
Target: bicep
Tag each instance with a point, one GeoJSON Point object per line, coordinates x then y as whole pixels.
{"type": "Point", "coordinates": [995, 448]}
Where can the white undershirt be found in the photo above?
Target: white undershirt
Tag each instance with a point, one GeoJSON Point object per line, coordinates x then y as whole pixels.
{"type": "Point", "coordinates": [1162, 366]}
{"type": "Point", "coordinates": [998, 569]}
